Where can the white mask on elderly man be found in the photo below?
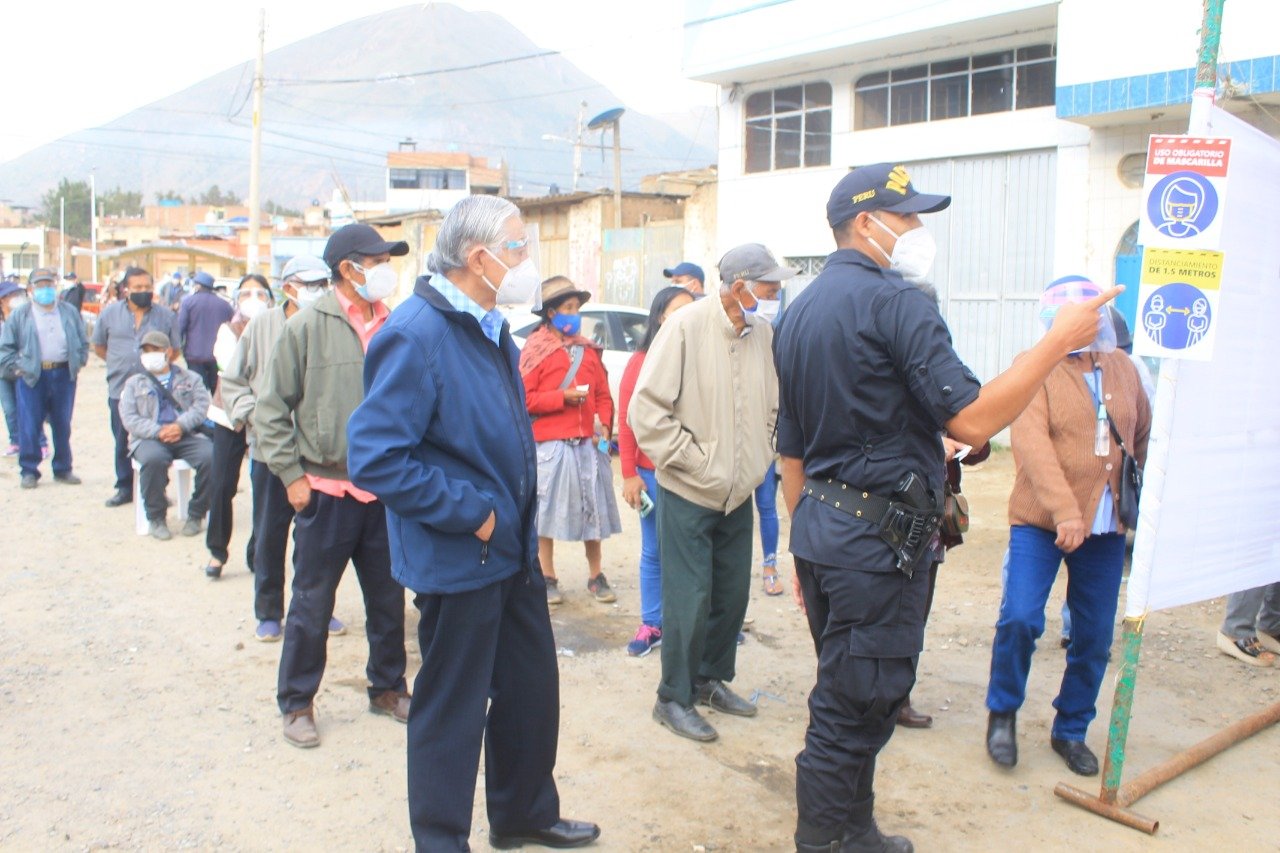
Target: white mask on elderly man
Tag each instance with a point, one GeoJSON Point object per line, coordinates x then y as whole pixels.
{"type": "Point", "coordinates": [766, 309]}
{"type": "Point", "coordinates": [518, 285]}
{"type": "Point", "coordinates": [155, 362]}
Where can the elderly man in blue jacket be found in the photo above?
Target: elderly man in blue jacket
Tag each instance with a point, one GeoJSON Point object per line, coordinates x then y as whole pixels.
{"type": "Point", "coordinates": [443, 439]}
{"type": "Point", "coordinates": [44, 345]}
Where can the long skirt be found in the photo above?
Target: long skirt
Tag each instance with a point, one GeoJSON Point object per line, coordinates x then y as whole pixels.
{"type": "Point", "coordinates": [575, 492]}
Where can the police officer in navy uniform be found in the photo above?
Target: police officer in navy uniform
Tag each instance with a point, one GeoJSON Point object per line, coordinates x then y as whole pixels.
{"type": "Point", "coordinates": [868, 382]}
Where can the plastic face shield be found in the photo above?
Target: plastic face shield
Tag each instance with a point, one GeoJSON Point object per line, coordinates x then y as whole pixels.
{"type": "Point", "coordinates": [1074, 289]}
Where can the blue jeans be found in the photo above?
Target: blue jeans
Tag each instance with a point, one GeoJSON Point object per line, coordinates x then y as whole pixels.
{"type": "Point", "coordinates": [52, 399]}
{"type": "Point", "coordinates": [767, 506]}
{"type": "Point", "coordinates": [650, 564]}
{"type": "Point", "coordinates": [1093, 584]}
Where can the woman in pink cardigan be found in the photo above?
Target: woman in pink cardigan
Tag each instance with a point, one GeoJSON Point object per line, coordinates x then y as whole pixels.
{"type": "Point", "coordinates": [1063, 507]}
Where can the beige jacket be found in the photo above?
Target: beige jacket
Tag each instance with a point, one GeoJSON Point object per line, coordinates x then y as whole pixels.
{"type": "Point", "coordinates": [705, 405]}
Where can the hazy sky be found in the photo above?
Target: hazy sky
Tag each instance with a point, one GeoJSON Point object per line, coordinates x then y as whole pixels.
{"type": "Point", "coordinates": [72, 65]}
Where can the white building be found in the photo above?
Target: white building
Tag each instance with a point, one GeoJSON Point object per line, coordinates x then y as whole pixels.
{"type": "Point", "coordinates": [437, 180]}
{"type": "Point", "coordinates": [22, 250]}
{"type": "Point", "coordinates": [1034, 116]}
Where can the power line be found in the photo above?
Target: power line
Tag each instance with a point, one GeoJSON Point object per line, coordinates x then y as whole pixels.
{"type": "Point", "coordinates": [389, 77]}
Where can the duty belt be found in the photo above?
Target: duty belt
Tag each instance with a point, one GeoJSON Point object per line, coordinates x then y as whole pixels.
{"type": "Point", "coordinates": [907, 529]}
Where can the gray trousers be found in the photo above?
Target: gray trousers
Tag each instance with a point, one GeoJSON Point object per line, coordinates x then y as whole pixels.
{"type": "Point", "coordinates": [1252, 610]}
{"type": "Point", "coordinates": [155, 456]}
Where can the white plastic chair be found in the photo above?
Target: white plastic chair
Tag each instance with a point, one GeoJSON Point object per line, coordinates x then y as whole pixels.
{"type": "Point", "coordinates": [179, 473]}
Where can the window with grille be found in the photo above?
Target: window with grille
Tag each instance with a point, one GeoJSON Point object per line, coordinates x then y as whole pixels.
{"type": "Point", "coordinates": [991, 83]}
{"type": "Point", "coordinates": [24, 260]}
{"type": "Point", "coordinates": [788, 128]}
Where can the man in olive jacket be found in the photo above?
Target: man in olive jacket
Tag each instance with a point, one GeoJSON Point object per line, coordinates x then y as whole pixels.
{"type": "Point", "coordinates": [314, 383]}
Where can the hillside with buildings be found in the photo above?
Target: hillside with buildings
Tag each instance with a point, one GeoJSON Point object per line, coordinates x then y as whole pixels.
{"type": "Point", "coordinates": [333, 109]}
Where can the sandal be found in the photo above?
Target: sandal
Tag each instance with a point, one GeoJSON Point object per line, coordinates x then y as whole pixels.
{"type": "Point", "coordinates": [1246, 649]}
{"type": "Point", "coordinates": [772, 582]}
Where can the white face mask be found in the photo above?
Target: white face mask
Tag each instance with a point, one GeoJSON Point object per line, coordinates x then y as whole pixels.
{"type": "Point", "coordinates": [379, 282]}
{"type": "Point", "coordinates": [518, 285]}
{"type": "Point", "coordinates": [155, 362]}
{"type": "Point", "coordinates": [307, 296]}
{"type": "Point", "coordinates": [17, 302]}
{"type": "Point", "coordinates": [251, 307]}
{"type": "Point", "coordinates": [913, 254]}
{"type": "Point", "coordinates": [766, 309]}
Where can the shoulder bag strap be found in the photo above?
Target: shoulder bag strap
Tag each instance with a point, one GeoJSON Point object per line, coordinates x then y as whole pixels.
{"type": "Point", "coordinates": [576, 352]}
{"type": "Point", "coordinates": [164, 392]}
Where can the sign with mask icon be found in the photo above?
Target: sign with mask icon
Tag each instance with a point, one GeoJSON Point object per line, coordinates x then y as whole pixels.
{"type": "Point", "coordinates": [1184, 192]}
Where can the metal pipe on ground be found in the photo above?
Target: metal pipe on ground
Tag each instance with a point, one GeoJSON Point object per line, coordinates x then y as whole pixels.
{"type": "Point", "coordinates": [1087, 801]}
{"type": "Point", "coordinates": [1145, 782]}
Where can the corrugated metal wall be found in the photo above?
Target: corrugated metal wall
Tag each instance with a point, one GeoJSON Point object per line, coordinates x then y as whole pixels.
{"type": "Point", "coordinates": [632, 261]}
{"type": "Point", "coordinates": [995, 250]}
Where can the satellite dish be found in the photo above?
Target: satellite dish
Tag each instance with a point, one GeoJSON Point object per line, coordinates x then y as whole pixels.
{"type": "Point", "coordinates": [606, 118]}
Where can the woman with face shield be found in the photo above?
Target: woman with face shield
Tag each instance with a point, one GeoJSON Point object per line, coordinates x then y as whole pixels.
{"type": "Point", "coordinates": [567, 395]}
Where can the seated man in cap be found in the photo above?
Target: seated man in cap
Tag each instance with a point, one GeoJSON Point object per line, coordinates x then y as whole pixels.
{"type": "Point", "coordinates": [703, 411]}
{"type": "Point", "coordinates": [162, 408]}
{"type": "Point", "coordinates": [199, 318]}
{"type": "Point", "coordinates": [687, 275]}
{"type": "Point", "coordinates": [43, 346]}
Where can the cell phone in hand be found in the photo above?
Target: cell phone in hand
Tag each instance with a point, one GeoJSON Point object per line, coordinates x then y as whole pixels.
{"type": "Point", "coordinates": [646, 504]}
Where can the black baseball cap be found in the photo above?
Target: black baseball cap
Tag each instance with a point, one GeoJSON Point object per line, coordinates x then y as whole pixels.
{"type": "Point", "coordinates": [883, 186]}
{"type": "Point", "coordinates": [361, 239]}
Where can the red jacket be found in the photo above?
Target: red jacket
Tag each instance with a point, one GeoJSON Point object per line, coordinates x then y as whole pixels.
{"type": "Point", "coordinates": [628, 451]}
{"type": "Point", "coordinates": [544, 398]}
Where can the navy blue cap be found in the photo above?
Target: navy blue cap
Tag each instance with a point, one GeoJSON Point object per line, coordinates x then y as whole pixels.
{"type": "Point", "coordinates": [882, 186]}
{"type": "Point", "coordinates": [7, 287]}
{"type": "Point", "coordinates": [358, 238]}
{"type": "Point", "coordinates": [203, 279]}
{"type": "Point", "coordinates": [686, 268]}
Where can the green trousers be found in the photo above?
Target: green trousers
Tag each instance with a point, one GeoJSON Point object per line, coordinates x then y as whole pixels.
{"type": "Point", "coordinates": [706, 581]}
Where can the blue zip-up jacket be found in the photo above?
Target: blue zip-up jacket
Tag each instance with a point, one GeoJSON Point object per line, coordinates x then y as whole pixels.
{"type": "Point", "coordinates": [20, 342]}
{"type": "Point", "coordinates": [443, 438]}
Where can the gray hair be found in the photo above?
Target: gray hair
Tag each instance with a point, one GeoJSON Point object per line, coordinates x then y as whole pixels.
{"type": "Point", "coordinates": [477, 220]}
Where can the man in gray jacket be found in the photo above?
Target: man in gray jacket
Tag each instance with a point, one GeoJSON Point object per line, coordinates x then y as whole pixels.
{"type": "Point", "coordinates": [704, 411]}
{"type": "Point", "coordinates": [162, 409]}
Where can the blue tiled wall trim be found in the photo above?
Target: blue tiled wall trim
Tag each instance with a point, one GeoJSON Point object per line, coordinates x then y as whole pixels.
{"type": "Point", "coordinates": [1161, 89]}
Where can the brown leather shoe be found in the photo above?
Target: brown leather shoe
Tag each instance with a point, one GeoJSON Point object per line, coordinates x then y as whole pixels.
{"type": "Point", "coordinates": [393, 703]}
{"type": "Point", "coordinates": [913, 719]}
{"type": "Point", "coordinates": [300, 728]}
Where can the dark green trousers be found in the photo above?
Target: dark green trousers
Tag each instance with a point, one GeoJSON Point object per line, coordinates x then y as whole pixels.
{"type": "Point", "coordinates": [706, 580]}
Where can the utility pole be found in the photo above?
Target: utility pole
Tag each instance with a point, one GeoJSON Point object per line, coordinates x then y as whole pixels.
{"type": "Point", "coordinates": [577, 145]}
{"type": "Point", "coordinates": [93, 224]}
{"type": "Point", "coordinates": [617, 172]}
{"type": "Point", "coordinates": [255, 154]}
{"type": "Point", "coordinates": [62, 236]}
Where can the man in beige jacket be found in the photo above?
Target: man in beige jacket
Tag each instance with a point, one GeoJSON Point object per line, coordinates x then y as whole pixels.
{"type": "Point", "coordinates": [704, 411]}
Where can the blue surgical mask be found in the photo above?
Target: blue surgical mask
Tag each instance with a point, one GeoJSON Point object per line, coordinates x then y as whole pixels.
{"type": "Point", "coordinates": [44, 295]}
{"type": "Point", "coordinates": [569, 324]}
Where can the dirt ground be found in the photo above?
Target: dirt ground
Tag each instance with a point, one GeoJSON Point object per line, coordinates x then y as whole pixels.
{"type": "Point", "coordinates": [138, 712]}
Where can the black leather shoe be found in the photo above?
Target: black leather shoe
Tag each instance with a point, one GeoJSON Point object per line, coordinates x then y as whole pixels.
{"type": "Point", "coordinates": [67, 478]}
{"type": "Point", "coordinates": [716, 694]}
{"type": "Point", "coordinates": [686, 722]}
{"type": "Point", "coordinates": [562, 834]}
{"type": "Point", "coordinates": [120, 498]}
{"type": "Point", "coordinates": [1080, 759]}
{"type": "Point", "coordinates": [872, 840]}
{"type": "Point", "coordinates": [1002, 738]}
